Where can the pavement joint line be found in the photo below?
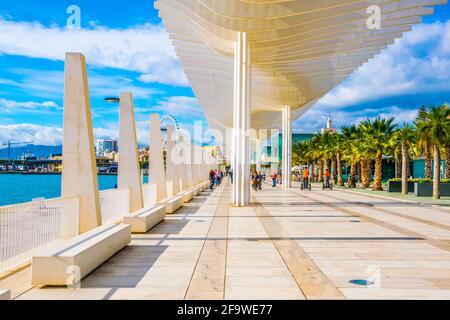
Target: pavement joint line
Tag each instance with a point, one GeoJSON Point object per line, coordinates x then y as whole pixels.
{"type": "Point", "coordinates": [437, 243]}
{"type": "Point", "coordinates": [416, 219]}
{"type": "Point", "coordinates": [411, 201]}
{"type": "Point", "coordinates": [311, 281]}
{"type": "Point", "coordinates": [222, 189]}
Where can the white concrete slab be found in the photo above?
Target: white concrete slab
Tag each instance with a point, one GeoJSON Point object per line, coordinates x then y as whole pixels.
{"type": "Point", "coordinates": [5, 295]}
{"type": "Point", "coordinates": [174, 204]}
{"type": "Point", "coordinates": [79, 256]}
{"type": "Point", "coordinates": [188, 195]}
{"type": "Point", "coordinates": [143, 220]}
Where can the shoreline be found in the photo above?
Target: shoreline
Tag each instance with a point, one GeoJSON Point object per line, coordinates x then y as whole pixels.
{"type": "Point", "coordinates": [49, 173]}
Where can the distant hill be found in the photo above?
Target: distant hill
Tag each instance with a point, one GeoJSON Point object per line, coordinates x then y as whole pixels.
{"type": "Point", "coordinates": [38, 151]}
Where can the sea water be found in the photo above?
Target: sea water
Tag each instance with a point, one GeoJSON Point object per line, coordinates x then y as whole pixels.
{"type": "Point", "coordinates": [18, 188]}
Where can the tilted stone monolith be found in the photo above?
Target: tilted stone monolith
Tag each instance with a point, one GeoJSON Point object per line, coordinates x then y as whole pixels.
{"type": "Point", "coordinates": [172, 180]}
{"type": "Point", "coordinates": [79, 172]}
{"type": "Point", "coordinates": [129, 171]}
{"type": "Point", "coordinates": [157, 176]}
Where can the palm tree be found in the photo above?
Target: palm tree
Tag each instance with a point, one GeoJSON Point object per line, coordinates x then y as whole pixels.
{"type": "Point", "coordinates": [338, 145]}
{"type": "Point", "coordinates": [363, 155]}
{"type": "Point", "coordinates": [436, 124]}
{"type": "Point", "coordinates": [424, 143]}
{"type": "Point", "coordinates": [395, 149]}
{"type": "Point", "coordinates": [447, 160]}
{"type": "Point", "coordinates": [349, 136]}
{"type": "Point", "coordinates": [325, 150]}
{"type": "Point", "coordinates": [406, 136]}
{"type": "Point", "coordinates": [377, 135]}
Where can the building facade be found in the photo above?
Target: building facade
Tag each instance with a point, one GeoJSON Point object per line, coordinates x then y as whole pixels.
{"type": "Point", "coordinates": [106, 145]}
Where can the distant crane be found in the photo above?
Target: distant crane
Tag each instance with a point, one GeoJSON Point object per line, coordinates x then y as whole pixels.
{"type": "Point", "coordinates": [9, 144]}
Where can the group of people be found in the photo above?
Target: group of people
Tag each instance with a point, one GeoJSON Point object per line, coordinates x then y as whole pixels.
{"type": "Point", "coordinates": [215, 178]}
{"type": "Point", "coordinates": [257, 180]}
{"type": "Point", "coordinates": [305, 176]}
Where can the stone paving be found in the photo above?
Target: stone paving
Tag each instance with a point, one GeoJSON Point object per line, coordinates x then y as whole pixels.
{"type": "Point", "coordinates": [288, 245]}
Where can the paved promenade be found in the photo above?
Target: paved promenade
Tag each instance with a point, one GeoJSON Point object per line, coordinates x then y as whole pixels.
{"type": "Point", "coordinates": [288, 245]}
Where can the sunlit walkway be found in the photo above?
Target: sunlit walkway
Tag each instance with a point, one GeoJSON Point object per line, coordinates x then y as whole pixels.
{"type": "Point", "coordinates": [288, 245]}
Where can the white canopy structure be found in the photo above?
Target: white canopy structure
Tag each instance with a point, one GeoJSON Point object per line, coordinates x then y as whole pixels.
{"type": "Point", "coordinates": [263, 63]}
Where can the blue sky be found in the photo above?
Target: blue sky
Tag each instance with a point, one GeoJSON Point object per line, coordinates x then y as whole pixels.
{"type": "Point", "coordinates": [127, 49]}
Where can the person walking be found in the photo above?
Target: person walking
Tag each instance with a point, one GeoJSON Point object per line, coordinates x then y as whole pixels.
{"type": "Point", "coordinates": [212, 175]}
{"type": "Point", "coordinates": [260, 180]}
{"type": "Point", "coordinates": [327, 178]}
{"type": "Point", "coordinates": [305, 174]}
{"type": "Point", "coordinates": [219, 176]}
{"type": "Point", "coordinates": [216, 178]}
{"type": "Point", "coordinates": [255, 180]}
{"type": "Point", "coordinates": [274, 177]}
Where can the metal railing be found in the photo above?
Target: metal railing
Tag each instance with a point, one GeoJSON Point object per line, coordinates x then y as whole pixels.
{"type": "Point", "coordinates": [114, 204]}
{"type": "Point", "coordinates": [26, 227]}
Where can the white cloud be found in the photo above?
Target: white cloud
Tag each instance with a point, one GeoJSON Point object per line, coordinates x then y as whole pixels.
{"type": "Point", "coordinates": [40, 135]}
{"type": "Point", "coordinates": [417, 63]}
{"type": "Point", "coordinates": [316, 119]}
{"type": "Point", "coordinates": [145, 49]}
{"type": "Point", "coordinates": [29, 104]}
{"type": "Point", "coordinates": [28, 107]}
{"type": "Point", "coordinates": [50, 84]}
{"type": "Point", "coordinates": [187, 107]}
{"type": "Point", "coordinates": [47, 135]}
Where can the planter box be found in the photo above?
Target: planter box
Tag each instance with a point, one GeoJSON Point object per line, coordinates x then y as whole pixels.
{"type": "Point", "coordinates": [426, 189]}
{"type": "Point", "coordinates": [396, 186]}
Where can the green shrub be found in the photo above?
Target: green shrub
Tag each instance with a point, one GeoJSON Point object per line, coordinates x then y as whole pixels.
{"type": "Point", "coordinates": [420, 180]}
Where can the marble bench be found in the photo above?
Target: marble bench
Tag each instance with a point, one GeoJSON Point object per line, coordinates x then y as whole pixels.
{"type": "Point", "coordinates": [201, 187]}
{"type": "Point", "coordinates": [174, 203]}
{"type": "Point", "coordinates": [68, 263]}
{"type": "Point", "coordinates": [143, 220]}
{"type": "Point", "coordinates": [5, 295]}
{"type": "Point", "coordinates": [188, 195]}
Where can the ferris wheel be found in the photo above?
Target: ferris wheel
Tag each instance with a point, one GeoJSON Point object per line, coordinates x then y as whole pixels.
{"type": "Point", "coordinates": [168, 120]}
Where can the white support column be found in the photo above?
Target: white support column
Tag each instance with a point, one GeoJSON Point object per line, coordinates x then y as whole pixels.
{"type": "Point", "coordinates": [287, 147]}
{"type": "Point", "coordinates": [79, 173]}
{"type": "Point", "coordinates": [172, 180]}
{"type": "Point", "coordinates": [156, 175]}
{"type": "Point", "coordinates": [242, 109]}
{"type": "Point", "coordinates": [129, 171]}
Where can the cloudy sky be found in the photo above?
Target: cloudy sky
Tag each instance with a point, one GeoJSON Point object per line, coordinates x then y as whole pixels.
{"type": "Point", "coordinates": [127, 49]}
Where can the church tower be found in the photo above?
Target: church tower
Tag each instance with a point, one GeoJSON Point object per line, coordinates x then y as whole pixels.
{"type": "Point", "coordinates": [329, 127]}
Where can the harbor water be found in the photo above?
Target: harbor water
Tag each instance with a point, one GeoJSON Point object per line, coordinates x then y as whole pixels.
{"type": "Point", "coordinates": [18, 188]}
